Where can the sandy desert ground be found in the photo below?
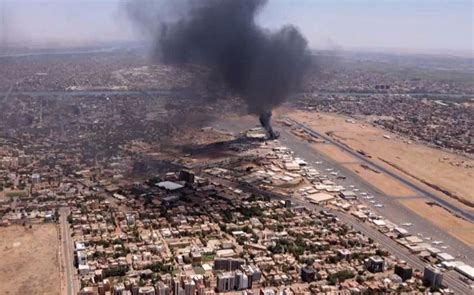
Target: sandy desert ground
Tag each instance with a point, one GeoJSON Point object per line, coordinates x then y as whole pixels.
{"type": "Point", "coordinates": [29, 260]}
{"type": "Point", "coordinates": [414, 161]}
{"type": "Point", "coordinates": [449, 171]}
{"type": "Point", "coordinates": [457, 227]}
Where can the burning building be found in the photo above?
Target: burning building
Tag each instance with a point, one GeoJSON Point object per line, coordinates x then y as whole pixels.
{"type": "Point", "coordinates": [260, 66]}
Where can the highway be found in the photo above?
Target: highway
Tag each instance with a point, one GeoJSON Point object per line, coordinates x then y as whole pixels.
{"type": "Point", "coordinates": [193, 93]}
{"type": "Point", "coordinates": [466, 215]}
{"type": "Point", "coordinates": [67, 253]}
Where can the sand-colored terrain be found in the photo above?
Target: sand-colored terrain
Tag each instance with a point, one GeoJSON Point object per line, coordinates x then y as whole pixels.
{"type": "Point", "coordinates": [382, 182]}
{"type": "Point", "coordinates": [451, 172]}
{"type": "Point", "coordinates": [457, 227]}
{"type": "Point", "coordinates": [336, 153]}
{"type": "Point", "coordinates": [29, 260]}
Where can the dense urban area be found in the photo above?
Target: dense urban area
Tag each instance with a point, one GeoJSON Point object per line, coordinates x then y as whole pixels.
{"type": "Point", "coordinates": [150, 186]}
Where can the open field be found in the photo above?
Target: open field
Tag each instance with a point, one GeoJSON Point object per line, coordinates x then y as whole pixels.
{"type": "Point", "coordinates": [29, 260]}
{"type": "Point", "coordinates": [450, 172]}
{"type": "Point", "coordinates": [336, 153]}
{"type": "Point", "coordinates": [382, 182]}
{"type": "Point", "coordinates": [457, 227]}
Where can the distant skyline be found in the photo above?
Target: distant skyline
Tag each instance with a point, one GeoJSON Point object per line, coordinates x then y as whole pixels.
{"type": "Point", "coordinates": [418, 25]}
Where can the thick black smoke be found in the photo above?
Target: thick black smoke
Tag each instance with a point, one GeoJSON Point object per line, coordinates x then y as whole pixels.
{"type": "Point", "coordinates": [260, 66]}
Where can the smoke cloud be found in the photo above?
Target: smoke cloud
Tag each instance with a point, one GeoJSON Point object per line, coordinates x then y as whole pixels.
{"type": "Point", "coordinates": [260, 66]}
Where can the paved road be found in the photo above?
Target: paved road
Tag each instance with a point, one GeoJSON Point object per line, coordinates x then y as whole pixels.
{"type": "Point", "coordinates": [67, 253]}
{"type": "Point", "coordinates": [451, 278]}
{"type": "Point", "coordinates": [419, 190]}
{"type": "Point", "coordinates": [304, 151]}
{"type": "Point", "coordinates": [392, 210]}
{"type": "Point", "coordinates": [190, 92]}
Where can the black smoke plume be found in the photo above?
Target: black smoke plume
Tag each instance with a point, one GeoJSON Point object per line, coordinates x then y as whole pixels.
{"type": "Point", "coordinates": [260, 66]}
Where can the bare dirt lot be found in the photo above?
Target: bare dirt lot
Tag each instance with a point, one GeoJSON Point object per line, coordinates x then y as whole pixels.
{"type": "Point", "coordinates": [29, 260]}
{"type": "Point", "coordinates": [457, 227]}
{"type": "Point", "coordinates": [450, 172]}
{"type": "Point", "coordinates": [382, 182]}
{"type": "Point", "coordinates": [336, 153]}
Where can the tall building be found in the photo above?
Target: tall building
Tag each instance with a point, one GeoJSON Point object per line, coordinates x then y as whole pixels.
{"type": "Point", "coordinates": [432, 277]}
{"type": "Point", "coordinates": [189, 287]}
{"type": "Point", "coordinates": [241, 280]}
{"type": "Point", "coordinates": [253, 273]}
{"type": "Point", "coordinates": [403, 271]}
{"type": "Point", "coordinates": [308, 274]}
{"type": "Point", "coordinates": [228, 264]}
{"type": "Point", "coordinates": [375, 264]}
{"type": "Point", "coordinates": [176, 286]}
{"type": "Point", "coordinates": [162, 289]}
{"type": "Point", "coordinates": [118, 289]}
{"type": "Point", "coordinates": [201, 289]}
{"type": "Point", "coordinates": [225, 282]}
{"type": "Point", "coordinates": [146, 290]}
{"type": "Point", "coordinates": [187, 176]}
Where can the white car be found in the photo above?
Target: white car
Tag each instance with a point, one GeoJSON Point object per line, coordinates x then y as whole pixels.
{"type": "Point", "coordinates": [356, 189]}
{"type": "Point", "coordinates": [408, 224]}
{"type": "Point", "coordinates": [379, 205]}
{"type": "Point", "coordinates": [363, 194]}
{"type": "Point", "coordinates": [437, 242]}
{"type": "Point", "coordinates": [372, 201]}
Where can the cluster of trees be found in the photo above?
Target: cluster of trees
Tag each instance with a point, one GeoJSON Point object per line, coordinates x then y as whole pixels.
{"type": "Point", "coordinates": [161, 268]}
{"type": "Point", "coordinates": [115, 272]}
{"type": "Point", "coordinates": [249, 212]}
{"type": "Point", "coordinates": [297, 247]}
{"type": "Point", "coordinates": [340, 277]}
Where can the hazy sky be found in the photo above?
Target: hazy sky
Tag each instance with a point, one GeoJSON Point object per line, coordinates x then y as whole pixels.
{"type": "Point", "coordinates": [399, 24]}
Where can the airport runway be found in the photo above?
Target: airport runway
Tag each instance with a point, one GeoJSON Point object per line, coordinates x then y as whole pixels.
{"type": "Point", "coordinates": [392, 210]}
{"type": "Point", "coordinates": [419, 190]}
